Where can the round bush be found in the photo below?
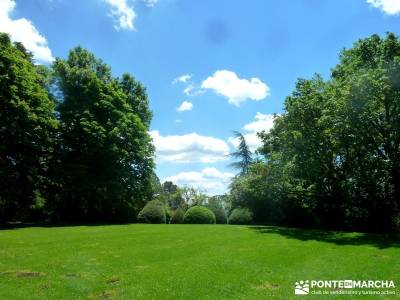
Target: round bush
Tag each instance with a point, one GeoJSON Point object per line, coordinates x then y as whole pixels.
{"type": "Point", "coordinates": [199, 215]}
{"type": "Point", "coordinates": [153, 212]}
{"type": "Point", "coordinates": [220, 215]}
{"type": "Point", "coordinates": [177, 216]}
{"type": "Point", "coordinates": [240, 216]}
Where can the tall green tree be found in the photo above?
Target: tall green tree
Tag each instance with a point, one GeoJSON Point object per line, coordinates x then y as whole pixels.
{"type": "Point", "coordinates": [106, 154]}
{"type": "Point", "coordinates": [242, 154]}
{"type": "Point", "coordinates": [340, 140]}
{"type": "Point", "coordinates": [27, 127]}
{"type": "Point", "coordinates": [368, 80]}
{"type": "Point", "coordinates": [173, 195]}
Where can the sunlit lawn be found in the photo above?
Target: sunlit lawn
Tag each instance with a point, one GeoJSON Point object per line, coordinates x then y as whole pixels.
{"type": "Point", "coordinates": [185, 261]}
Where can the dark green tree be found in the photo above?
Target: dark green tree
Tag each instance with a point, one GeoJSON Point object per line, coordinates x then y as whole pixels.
{"type": "Point", "coordinates": [27, 127]}
{"type": "Point", "coordinates": [106, 164]}
{"type": "Point", "coordinates": [367, 87]}
{"type": "Point", "coordinates": [339, 141]}
{"type": "Point", "coordinates": [169, 187]}
{"type": "Point", "coordinates": [218, 209]}
{"type": "Point", "coordinates": [243, 154]}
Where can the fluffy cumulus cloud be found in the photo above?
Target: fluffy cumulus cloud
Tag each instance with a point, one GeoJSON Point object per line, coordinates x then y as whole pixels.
{"type": "Point", "coordinates": [22, 30]}
{"type": "Point", "coordinates": [184, 78]}
{"type": "Point", "coordinates": [262, 122]}
{"type": "Point", "coordinates": [237, 90]}
{"type": "Point", "coordinates": [209, 180]}
{"type": "Point", "coordinates": [390, 7]}
{"type": "Point", "coordinates": [189, 148]}
{"type": "Point", "coordinates": [185, 106]}
{"type": "Point", "coordinates": [123, 14]}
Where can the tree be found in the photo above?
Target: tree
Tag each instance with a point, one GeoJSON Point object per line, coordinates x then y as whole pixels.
{"type": "Point", "coordinates": [216, 205]}
{"type": "Point", "coordinates": [27, 127]}
{"type": "Point", "coordinates": [243, 153]}
{"type": "Point", "coordinates": [367, 79]}
{"type": "Point", "coordinates": [192, 196]}
{"type": "Point", "coordinates": [339, 141]}
{"type": "Point", "coordinates": [171, 195]}
{"type": "Point", "coordinates": [106, 165]}
{"type": "Point", "coordinates": [169, 187]}
{"type": "Point", "coordinates": [137, 98]}
{"type": "Point", "coordinates": [223, 201]}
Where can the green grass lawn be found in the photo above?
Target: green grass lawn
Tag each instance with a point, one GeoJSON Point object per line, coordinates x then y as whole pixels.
{"type": "Point", "coordinates": [186, 261]}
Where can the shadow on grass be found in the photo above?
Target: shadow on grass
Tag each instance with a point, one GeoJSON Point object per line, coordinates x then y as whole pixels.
{"type": "Point", "coordinates": [380, 241]}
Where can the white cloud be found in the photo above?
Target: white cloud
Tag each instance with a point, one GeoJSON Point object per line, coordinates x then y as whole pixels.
{"type": "Point", "coordinates": [228, 84]}
{"type": "Point", "coordinates": [178, 121]}
{"type": "Point", "coordinates": [189, 148]}
{"type": "Point", "coordinates": [209, 180]}
{"type": "Point", "coordinates": [191, 90]}
{"type": "Point", "coordinates": [124, 14]}
{"type": "Point", "coordinates": [150, 3]}
{"type": "Point", "coordinates": [184, 78]}
{"type": "Point", "coordinates": [390, 7]}
{"type": "Point", "coordinates": [185, 106]}
{"type": "Point", "coordinates": [22, 30]}
{"type": "Point", "coordinates": [262, 122]}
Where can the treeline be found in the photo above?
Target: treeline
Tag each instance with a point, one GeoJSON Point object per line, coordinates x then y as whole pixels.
{"type": "Point", "coordinates": [332, 159]}
{"type": "Point", "coordinates": [171, 203]}
{"type": "Point", "coordinates": [74, 142]}
{"type": "Point", "coordinates": [175, 205]}
{"type": "Point", "coordinates": [74, 146]}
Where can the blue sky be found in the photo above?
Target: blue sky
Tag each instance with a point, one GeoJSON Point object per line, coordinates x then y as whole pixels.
{"type": "Point", "coordinates": [210, 66]}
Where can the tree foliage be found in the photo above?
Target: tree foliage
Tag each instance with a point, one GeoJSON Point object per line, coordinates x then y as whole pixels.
{"type": "Point", "coordinates": [332, 158]}
{"type": "Point", "coordinates": [172, 196]}
{"type": "Point", "coordinates": [75, 146]}
{"type": "Point", "coordinates": [105, 150]}
{"type": "Point", "coordinates": [240, 216]}
{"type": "Point", "coordinates": [27, 130]}
{"type": "Point", "coordinates": [243, 154]}
{"type": "Point", "coordinates": [177, 216]}
{"type": "Point", "coordinates": [75, 143]}
{"type": "Point", "coordinates": [216, 205]}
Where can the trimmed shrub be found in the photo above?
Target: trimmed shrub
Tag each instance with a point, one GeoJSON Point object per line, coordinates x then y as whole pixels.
{"type": "Point", "coordinates": [220, 215]}
{"type": "Point", "coordinates": [153, 212]}
{"type": "Point", "coordinates": [199, 215]}
{"type": "Point", "coordinates": [240, 216]}
{"type": "Point", "coordinates": [177, 216]}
